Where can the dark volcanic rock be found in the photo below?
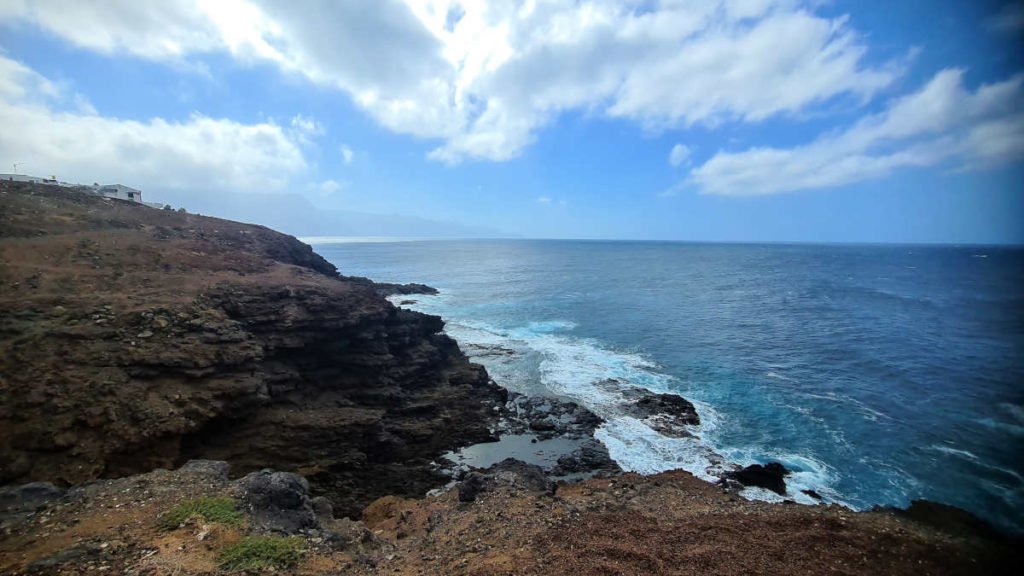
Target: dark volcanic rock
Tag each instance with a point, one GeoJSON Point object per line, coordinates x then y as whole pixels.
{"type": "Point", "coordinates": [27, 497]}
{"type": "Point", "coordinates": [590, 458]}
{"type": "Point", "coordinates": [75, 556]}
{"type": "Point", "coordinates": [19, 503]}
{"type": "Point", "coordinates": [668, 414]}
{"type": "Point", "coordinates": [278, 502]}
{"type": "Point", "coordinates": [163, 337]}
{"type": "Point", "coordinates": [548, 417]}
{"type": "Point", "coordinates": [390, 289]}
{"type": "Point", "coordinates": [510, 473]}
{"type": "Point", "coordinates": [210, 469]}
{"type": "Point", "coordinates": [770, 476]}
{"type": "Point", "coordinates": [471, 486]}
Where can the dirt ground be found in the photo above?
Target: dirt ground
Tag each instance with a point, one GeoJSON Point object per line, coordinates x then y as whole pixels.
{"type": "Point", "coordinates": [670, 523]}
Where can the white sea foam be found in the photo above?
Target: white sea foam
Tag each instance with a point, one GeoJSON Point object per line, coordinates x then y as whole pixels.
{"type": "Point", "coordinates": [638, 448]}
{"type": "Point", "coordinates": [584, 371]}
{"type": "Point", "coordinates": [953, 452]}
{"type": "Point", "coordinates": [805, 474]}
{"type": "Point", "coordinates": [973, 459]}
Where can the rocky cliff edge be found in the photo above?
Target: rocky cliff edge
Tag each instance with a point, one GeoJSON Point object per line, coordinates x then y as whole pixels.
{"type": "Point", "coordinates": [133, 338]}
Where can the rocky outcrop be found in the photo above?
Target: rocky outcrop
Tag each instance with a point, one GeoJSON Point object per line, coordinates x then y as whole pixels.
{"type": "Point", "coordinates": [134, 338]}
{"type": "Point", "coordinates": [591, 458]}
{"type": "Point", "coordinates": [668, 414]}
{"type": "Point", "coordinates": [547, 417]}
{"type": "Point", "coordinates": [390, 289]}
{"type": "Point", "coordinates": [509, 473]}
{"type": "Point", "coordinates": [277, 502]}
{"type": "Point", "coordinates": [771, 476]}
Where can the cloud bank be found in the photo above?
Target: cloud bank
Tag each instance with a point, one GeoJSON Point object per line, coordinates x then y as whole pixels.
{"type": "Point", "coordinates": [943, 121]}
{"type": "Point", "coordinates": [482, 78]}
{"type": "Point", "coordinates": [62, 134]}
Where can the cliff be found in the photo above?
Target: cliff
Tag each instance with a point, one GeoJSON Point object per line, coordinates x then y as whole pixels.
{"type": "Point", "coordinates": [134, 341]}
{"type": "Point", "coordinates": [133, 338]}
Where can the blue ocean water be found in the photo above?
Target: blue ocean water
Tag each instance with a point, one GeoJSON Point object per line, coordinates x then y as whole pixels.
{"type": "Point", "coordinates": [880, 374]}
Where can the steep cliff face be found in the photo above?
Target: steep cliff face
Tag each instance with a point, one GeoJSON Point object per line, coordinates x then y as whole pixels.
{"type": "Point", "coordinates": [134, 338]}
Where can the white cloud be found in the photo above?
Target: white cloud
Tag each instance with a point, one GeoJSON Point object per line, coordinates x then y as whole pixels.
{"type": "Point", "coordinates": [482, 78]}
{"type": "Point", "coordinates": [306, 126]}
{"type": "Point", "coordinates": [347, 154]}
{"type": "Point", "coordinates": [56, 136]}
{"type": "Point", "coordinates": [942, 121]}
{"type": "Point", "coordinates": [549, 201]}
{"type": "Point", "coordinates": [328, 187]}
{"type": "Point", "coordinates": [166, 29]}
{"type": "Point", "coordinates": [679, 155]}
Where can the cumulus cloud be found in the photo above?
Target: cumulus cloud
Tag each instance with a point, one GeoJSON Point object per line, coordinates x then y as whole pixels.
{"type": "Point", "coordinates": [679, 155]}
{"type": "Point", "coordinates": [943, 121]}
{"type": "Point", "coordinates": [55, 135]}
{"type": "Point", "coordinates": [347, 154]}
{"type": "Point", "coordinates": [483, 78]}
{"type": "Point", "coordinates": [544, 200]}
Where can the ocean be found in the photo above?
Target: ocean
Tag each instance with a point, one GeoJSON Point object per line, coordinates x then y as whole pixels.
{"type": "Point", "coordinates": [878, 374]}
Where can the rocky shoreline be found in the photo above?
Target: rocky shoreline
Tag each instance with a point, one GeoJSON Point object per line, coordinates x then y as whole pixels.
{"type": "Point", "coordinates": [152, 359]}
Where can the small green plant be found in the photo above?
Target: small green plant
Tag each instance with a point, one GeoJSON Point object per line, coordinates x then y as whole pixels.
{"type": "Point", "coordinates": [220, 510]}
{"type": "Point", "coordinates": [260, 552]}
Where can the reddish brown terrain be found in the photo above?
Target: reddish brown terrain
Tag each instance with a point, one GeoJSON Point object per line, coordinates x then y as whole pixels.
{"type": "Point", "coordinates": [671, 523]}
{"type": "Point", "coordinates": [133, 340]}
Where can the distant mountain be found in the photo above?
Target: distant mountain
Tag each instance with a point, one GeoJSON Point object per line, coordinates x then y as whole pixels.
{"type": "Point", "coordinates": [295, 215]}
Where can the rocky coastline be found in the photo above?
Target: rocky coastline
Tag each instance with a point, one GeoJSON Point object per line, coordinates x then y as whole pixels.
{"type": "Point", "coordinates": [135, 339]}
{"type": "Point", "coordinates": [154, 359]}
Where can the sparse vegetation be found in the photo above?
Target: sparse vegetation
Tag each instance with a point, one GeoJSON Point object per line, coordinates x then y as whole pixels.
{"type": "Point", "coordinates": [260, 552]}
{"type": "Point", "coordinates": [220, 510]}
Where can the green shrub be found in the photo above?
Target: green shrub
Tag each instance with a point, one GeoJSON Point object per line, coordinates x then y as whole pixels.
{"type": "Point", "coordinates": [220, 510]}
{"type": "Point", "coordinates": [258, 552]}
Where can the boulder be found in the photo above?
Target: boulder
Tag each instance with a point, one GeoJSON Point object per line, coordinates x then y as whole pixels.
{"type": "Point", "coordinates": [212, 469]}
{"type": "Point", "coordinates": [27, 497]}
{"type": "Point", "coordinates": [591, 457]}
{"type": "Point", "coordinates": [278, 502]}
{"type": "Point", "coordinates": [76, 556]}
{"type": "Point", "coordinates": [770, 476]}
{"type": "Point", "coordinates": [669, 414]}
{"type": "Point", "coordinates": [322, 508]}
{"type": "Point", "coordinates": [510, 473]}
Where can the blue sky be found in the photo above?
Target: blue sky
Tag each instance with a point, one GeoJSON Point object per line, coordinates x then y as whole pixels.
{"type": "Point", "coordinates": [739, 120]}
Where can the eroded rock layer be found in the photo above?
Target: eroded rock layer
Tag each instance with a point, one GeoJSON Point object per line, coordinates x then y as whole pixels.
{"type": "Point", "coordinates": [133, 338]}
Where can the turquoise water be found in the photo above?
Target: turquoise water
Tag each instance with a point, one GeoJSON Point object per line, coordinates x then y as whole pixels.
{"type": "Point", "coordinates": [879, 374]}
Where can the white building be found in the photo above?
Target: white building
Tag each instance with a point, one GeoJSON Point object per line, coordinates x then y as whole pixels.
{"type": "Point", "coordinates": [26, 178]}
{"type": "Point", "coordinates": [119, 191]}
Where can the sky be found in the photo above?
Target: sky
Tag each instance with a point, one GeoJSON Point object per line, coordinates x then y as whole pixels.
{"type": "Point", "coordinates": [732, 120]}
